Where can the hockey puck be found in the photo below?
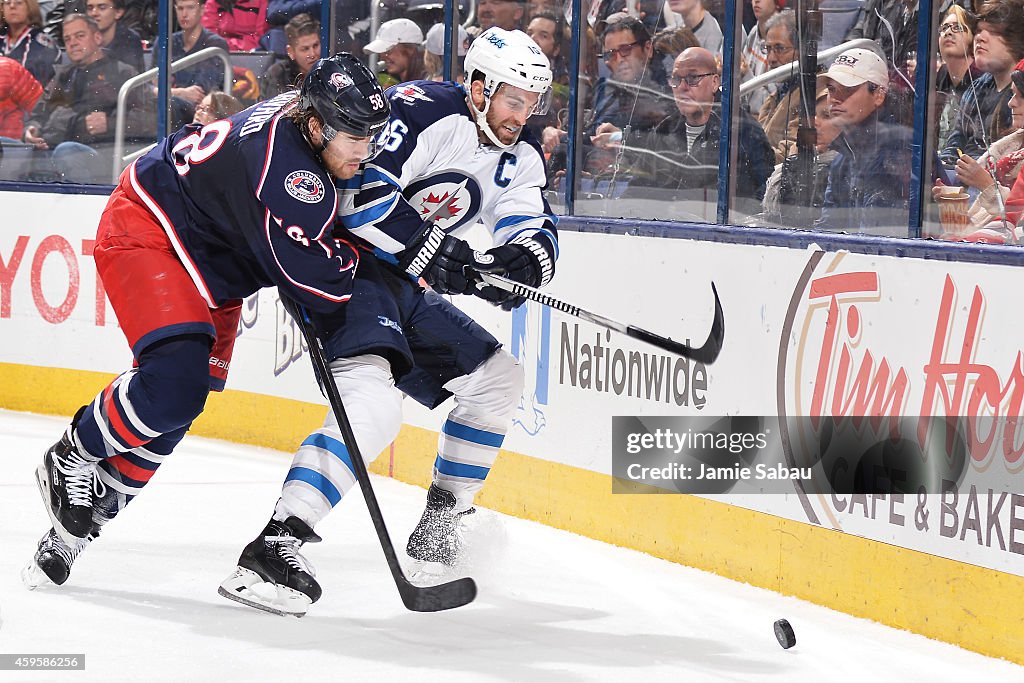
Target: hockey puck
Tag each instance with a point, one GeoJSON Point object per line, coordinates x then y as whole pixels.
{"type": "Point", "coordinates": [784, 634]}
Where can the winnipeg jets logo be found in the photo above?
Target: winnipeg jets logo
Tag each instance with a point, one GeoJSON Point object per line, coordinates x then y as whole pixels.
{"type": "Point", "coordinates": [305, 186]}
{"type": "Point", "coordinates": [409, 93]}
{"type": "Point", "coordinates": [448, 199]}
{"type": "Point", "coordinates": [340, 81]}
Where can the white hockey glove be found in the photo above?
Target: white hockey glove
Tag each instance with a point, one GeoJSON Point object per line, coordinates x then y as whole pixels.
{"type": "Point", "coordinates": [440, 259]}
{"type": "Point", "coordinates": [524, 259]}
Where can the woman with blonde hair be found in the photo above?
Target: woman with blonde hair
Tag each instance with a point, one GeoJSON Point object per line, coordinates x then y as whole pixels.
{"type": "Point", "coordinates": [22, 39]}
{"type": "Point", "coordinates": [956, 47]}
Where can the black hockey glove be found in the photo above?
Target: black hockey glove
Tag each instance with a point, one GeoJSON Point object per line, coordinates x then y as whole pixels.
{"type": "Point", "coordinates": [524, 259]}
{"type": "Point", "coordinates": [440, 259]}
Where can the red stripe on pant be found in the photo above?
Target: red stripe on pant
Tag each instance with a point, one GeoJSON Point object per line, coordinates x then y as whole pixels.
{"type": "Point", "coordinates": [116, 424]}
{"type": "Point", "coordinates": [127, 469]}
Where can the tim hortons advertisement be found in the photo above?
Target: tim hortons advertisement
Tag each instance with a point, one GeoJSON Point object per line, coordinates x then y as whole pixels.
{"type": "Point", "coordinates": [922, 361]}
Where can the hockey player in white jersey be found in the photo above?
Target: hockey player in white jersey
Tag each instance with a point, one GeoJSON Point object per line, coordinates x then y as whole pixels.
{"type": "Point", "coordinates": [452, 156]}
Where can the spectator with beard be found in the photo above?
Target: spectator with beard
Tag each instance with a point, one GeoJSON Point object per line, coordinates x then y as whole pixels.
{"type": "Point", "coordinates": [780, 113]}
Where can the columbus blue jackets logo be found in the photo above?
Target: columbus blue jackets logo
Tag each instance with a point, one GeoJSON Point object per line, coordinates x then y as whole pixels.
{"type": "Point", "coordinates": [449, 199]}
{"type": "Point", "coordinates": [409, 93]}
{"type": "Point", "coordinates": [305, 186]}
{"type": "Point", "coordinates": [340, 81]}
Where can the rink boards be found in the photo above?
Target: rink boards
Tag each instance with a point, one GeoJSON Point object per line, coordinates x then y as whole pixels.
{"type": "Point", "coordinates": [808, 331]}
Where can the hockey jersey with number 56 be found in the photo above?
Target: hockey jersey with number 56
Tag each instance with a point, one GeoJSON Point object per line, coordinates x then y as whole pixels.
{"type": "Point", "coordinates": [433, 166]}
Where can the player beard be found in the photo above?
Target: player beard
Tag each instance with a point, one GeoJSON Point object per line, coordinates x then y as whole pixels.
{"type": "Point", "coordinates": [506, 136]}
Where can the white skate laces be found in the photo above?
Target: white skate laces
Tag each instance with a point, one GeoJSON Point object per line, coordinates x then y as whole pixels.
{"type": "Point", "coordinates": [81, 477]}
{"type": "Point", "coordinates": [287, 548]}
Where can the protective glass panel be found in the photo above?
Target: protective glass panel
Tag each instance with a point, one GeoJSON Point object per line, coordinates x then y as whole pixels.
{"type": "Point", "coordinates": [831, 152]}
{"type": "Point", "coordinates": [66, 67]}
{"type": "Point", "coordinates": [974, 135]}
{"type": "Point", "coordinates": [636, 155]}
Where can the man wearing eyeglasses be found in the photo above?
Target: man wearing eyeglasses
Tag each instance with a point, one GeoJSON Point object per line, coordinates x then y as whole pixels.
{"type": "Point", "coordinates": [754, 55]}
{"type": "Point", "coordinates": [958, 72]}
{"type": "Point", "coordinates": [779, 116]}
{"type": "Point", "coordinates": [630, 96]}
{"type": "Point", "coordinates": [868, 182]}
{"type": "Point", "coordinates": [679, 159]}
{"type": "Point", "coordinates": [120, 42]}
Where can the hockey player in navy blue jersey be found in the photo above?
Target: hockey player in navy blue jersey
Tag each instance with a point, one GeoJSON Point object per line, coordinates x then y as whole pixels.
{"type": "Point", "coordinates": [208, 217]}
{"type": "Point", "coordinates": [452, 156]}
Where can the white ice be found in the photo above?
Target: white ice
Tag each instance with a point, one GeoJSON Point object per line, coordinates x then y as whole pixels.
{"type": "Point", "coordinates": [142, 602]}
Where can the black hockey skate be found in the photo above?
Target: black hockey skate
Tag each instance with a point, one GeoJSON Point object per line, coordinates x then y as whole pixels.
{"type": "Point", "coordinates": [272, 575]}
{"type": "Point", "coordinates": [66, 480]}
{"type": "Point", "coordinates": [437, 539]}
{"type": "Point", "coordinates": [53, 559]}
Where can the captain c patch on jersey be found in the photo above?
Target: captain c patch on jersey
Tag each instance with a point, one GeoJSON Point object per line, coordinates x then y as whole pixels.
{"type": "Point", "coordinates": [305, 186]}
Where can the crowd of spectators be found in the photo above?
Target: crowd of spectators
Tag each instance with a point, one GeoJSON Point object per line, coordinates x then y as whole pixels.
{"type": "Point", "coordinates": [648, 90]}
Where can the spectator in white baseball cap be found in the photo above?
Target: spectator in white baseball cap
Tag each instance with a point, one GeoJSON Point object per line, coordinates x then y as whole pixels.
{"type": "Point", "coordinates": [399, 43]}
{"type": "Point", "coordinates": [868, 182]}
{"type": "Point", "coordinates": [433, 55]}
{"type": "Point", "coordinates": [850, 99]}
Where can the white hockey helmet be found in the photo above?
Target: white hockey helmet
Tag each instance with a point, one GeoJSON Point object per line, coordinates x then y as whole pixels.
{"type": "Point", "coordinates": [509, 57]}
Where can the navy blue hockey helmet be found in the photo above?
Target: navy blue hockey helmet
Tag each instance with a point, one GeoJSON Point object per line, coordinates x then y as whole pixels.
{"type": "Point", "coordinates": [347, 98]}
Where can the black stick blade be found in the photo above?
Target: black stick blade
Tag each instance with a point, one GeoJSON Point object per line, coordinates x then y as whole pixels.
{"type": "Point", "coordinates": [437, 598]}
{"type": "Point", "coordinates": [706, 354]}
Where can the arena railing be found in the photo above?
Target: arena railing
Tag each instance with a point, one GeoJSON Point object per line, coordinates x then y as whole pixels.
{"type": "Point", "coordinates": [120, 159]}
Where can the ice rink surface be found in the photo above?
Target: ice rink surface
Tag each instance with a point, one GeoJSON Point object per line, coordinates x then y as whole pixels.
{"type": "Point", "coordinates": [142, 601]}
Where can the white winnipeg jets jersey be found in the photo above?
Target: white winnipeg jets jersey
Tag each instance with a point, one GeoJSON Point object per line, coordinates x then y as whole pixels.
{"type": "Point", "coordinates": [434, 167]}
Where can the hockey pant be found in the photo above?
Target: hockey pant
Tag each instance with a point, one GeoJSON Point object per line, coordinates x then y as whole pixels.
{"type": "Point", "coordinates": [485, 401]}
{"type": "Point", "coordinates": [182, 350]}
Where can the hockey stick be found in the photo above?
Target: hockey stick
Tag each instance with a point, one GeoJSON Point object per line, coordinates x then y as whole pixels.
{"type": "Point", "coordinates": [707, 353]}
{"type": "Point", "coordinates": [416, 598]}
